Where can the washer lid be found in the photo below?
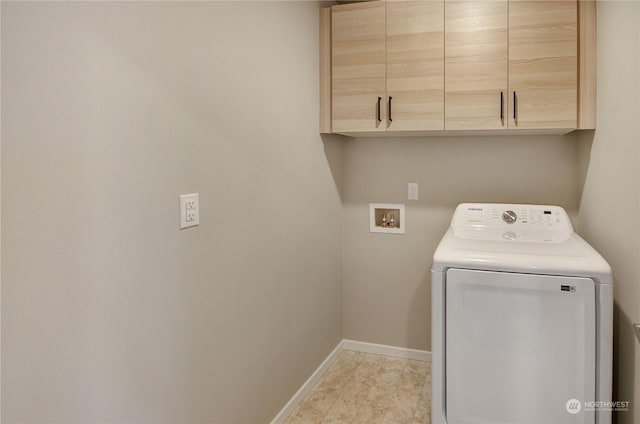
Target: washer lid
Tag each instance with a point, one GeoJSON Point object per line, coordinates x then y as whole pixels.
{"type": "Point", "coordinates": [533, 242]}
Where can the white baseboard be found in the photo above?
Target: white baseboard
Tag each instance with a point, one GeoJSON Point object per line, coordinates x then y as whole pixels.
{"type": "Point", "coordinates": [307, 386]}
{"type": "Point", "coordinates": [378, 349]}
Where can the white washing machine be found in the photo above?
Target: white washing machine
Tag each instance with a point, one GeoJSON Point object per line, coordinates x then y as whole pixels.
{"type": "Point", "coordinates": [521, 320]}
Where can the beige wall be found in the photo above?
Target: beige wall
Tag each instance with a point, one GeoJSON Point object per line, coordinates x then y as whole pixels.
{"type": "Point", "coordinates": [610, 205]}
{"type": "Point", "coordinates": [109, 111]}
{"type": "Point", "coordinates": [386, 277]}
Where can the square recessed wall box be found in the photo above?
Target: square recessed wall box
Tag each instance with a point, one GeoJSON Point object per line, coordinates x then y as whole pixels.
{"type": "Point", "coordinates": [386, 218]}
{"type": "Point", "coordinates": [189, 210]}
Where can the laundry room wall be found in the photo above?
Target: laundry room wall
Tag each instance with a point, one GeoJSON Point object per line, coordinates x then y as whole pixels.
{"type": "Point", "coordinates": [386, 277]}
{"type": "Point", "coordinates": [610, 203]}
{"type": "Point", "coordinates": [109, 111]}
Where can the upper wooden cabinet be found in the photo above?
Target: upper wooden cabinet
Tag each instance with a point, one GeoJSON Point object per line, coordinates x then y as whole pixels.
{"type": "Point", "coordinates": [387, 66]}
{"type": "Point", "coordinates": [543, 64]}
{"type": "Point", "coordinates": [358, 66]}
{"type": "Point", "coordinates": [415, 74]}
{"type": "Point", "coordinates": [476, 64]}
{"type": "Point", "coordinates": [409, 66]}
{"type": "Point", "coordinates": [514, 59]}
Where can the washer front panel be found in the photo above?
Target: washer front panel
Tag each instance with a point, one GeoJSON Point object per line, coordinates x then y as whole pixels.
{"type": "Point", "coordinates": [518, 347]}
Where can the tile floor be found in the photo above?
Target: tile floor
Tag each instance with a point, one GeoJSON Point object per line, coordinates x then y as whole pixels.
{"type": "Point", "coordinates": [366, 388]}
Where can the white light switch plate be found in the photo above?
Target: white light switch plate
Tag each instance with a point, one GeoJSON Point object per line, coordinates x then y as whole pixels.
{"type": "Point", "coordinates": [412, 191]}
{"type": "Point", "coordinates": [189, 210]}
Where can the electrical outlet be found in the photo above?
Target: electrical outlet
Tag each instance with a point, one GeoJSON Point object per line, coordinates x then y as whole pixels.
{"type": "Point", "coordinates": [412, 191]}
{"type": "Point", "coordinates": [189, 210]}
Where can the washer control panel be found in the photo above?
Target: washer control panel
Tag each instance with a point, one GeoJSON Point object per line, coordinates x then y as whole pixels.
{"type": "Point", "coordinates": [512, 223]}
{"type": "Point", "coordinates": [511, 216]}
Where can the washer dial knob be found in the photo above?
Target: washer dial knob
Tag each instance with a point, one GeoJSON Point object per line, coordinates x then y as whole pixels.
{"type": "Point", "coordinates": [509, 217]}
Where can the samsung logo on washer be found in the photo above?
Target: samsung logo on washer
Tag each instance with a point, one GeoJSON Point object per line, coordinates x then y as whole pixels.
{"type": "Point", "coordinates": [568, 288]}
{"type": "Point", "coordinates": [475, 209]}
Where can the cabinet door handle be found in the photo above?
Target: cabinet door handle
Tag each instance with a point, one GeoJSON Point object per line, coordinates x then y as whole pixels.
{"type": "Point", "coordinates": [379, 99]}
{"type": "Point", "coordinates": [515, 108]}
{"type": "Point", "coordinates": [390, 120]}
{"type": "Point", "coordinates": [502, 107]}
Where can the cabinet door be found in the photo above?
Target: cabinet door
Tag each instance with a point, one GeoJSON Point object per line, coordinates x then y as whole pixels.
{"type": "Point", "coordinates": [415, 73]}
{"type": "Point", "coordinates": [476, 65]}
{"type": "Point", "coordinates": [543, 64]}
{"type": "Point", "coordinates": [358, 67]}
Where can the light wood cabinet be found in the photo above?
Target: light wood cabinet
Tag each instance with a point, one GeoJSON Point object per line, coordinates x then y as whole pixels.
{"type": "Point", "coordinates": [511, 65]}
{"type": "Point", "coordinates": [387, 66]}
{"type": "Point", "coordinates": [415, 74]}
{"type": "Point", "coordinates": [358, 67]}
{"type": "Point", "coordinates": [441, 67]}
{"type": "Point", "coordinates": [543, 64]}
{"type": "Point", "coordinates": [476, 64]}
